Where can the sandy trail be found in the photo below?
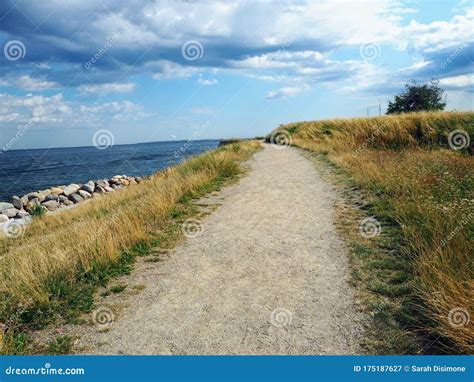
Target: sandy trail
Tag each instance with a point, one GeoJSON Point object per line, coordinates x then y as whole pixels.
{"type": "Point", "coordinates": [268, 275]}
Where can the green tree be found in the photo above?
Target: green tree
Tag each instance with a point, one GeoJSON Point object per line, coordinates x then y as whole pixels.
{"type": "Point", "coordinates": [426, 97]}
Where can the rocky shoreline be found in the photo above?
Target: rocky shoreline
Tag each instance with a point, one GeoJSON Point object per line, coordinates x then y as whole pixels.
{"type": "Point", "coordinates": [54, 198]}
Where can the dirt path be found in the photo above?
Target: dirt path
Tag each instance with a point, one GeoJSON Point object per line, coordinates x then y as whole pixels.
{"type": "Point", "coordinates": [268, 275]}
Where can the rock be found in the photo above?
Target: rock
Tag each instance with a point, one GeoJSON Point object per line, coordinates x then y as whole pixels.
{"type": "Point", "coordinates": [124, 182]}
{"type": "Point", "coordinates": [32, 195]}
{"type": "Point", "coordinates": [138, 179]}
{"type": "Point", "coordinates": [109, 189]}
{"type": "Point", "coordinates": [3, 218]}
{"type": "Point", "coordinates": [133, 181]}
{"type": "Point", "coordinates": [116, 187]}
{"type": "Point", "coordinates": [51, 197]}
{"type": "Point", "coordinates": [22, 214]}
{"type": "Point", "coordinates": [51, 205]}
{"type": "Point", "coordinates": [56, 190]}
{"type": "Point", "coordinates": [17, 203]}
{"type": "Point", "coordinates": [43, 194]}
{"type": "Point", "coordinates": [99, 190]}
{"type": "Point", "coordinates": [71, 189]}
{"type": "Point", "coordinates": [24, 199]}
{"type": "Point", "coordinates": [5, 206]}
{"type": "Point", "coordinates": [10, 212]}
{"type": "Point", "coordinates": [68, 202]}
{"type": "Point", "coordinates": [62, 198]}
{"type": "Point", "coordinates": [31, 205]}
{"type": "Point", "coordinates": [88, 187]}
{"type": "Point", "coordinates": [102, 183]}
{"type": "Point", "coordinates": [84, 194]}
{"type": "Point", "coordinates": [76, 198]}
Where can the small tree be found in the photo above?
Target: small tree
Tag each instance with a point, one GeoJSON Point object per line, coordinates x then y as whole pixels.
{"type": "Point", "coordinates": [427, 97]}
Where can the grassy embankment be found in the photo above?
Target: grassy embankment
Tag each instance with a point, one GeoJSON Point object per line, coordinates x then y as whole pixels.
{"type": "Point", "coordinates": [51, 273]}
{"type": "Point", "coordinates": [417, 276]}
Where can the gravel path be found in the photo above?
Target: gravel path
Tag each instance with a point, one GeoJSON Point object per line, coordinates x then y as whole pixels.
{"type": "Point", "coordinates": [268, 275]}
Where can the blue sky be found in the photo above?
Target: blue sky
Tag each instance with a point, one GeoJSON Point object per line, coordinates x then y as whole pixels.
{"type": "Point", "coordinates": [162, 70]}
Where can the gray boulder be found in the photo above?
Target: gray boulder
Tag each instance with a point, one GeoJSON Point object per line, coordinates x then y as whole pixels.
{"type": "Point", "coordinates": [109, 189]}
{"type": "Point", "coordinates": [71, 189]}
{"type": "Point", "coordinates": [68, 203]}
{"type": "Point", "coordinates": [138, 179]}
{"type": "Point", "coordinates": [50, 197]}
{"type": "Point", "coordinates": [99, 190]}
{"type": "Point", "coordinates": [76, 198]}
{"type": "Point", "coordinates": [5, 206]}
{"type": "Point", "coordinates": [17, 203]}
{"type": "Point", "coordinates": [22, 214]}
{"type": "Point", "coordinates": [43, 194]}
{"type": "Point", "coordinates": [62, 198]}
{"type": "Point", "coordinates": [10, 212]}
{"type": "Point", "coordinates": [32, 195]}
{"type": "Point", "coordinates": [102, 183]}
{"type": "Point", "coordinates": [51, 205]}
{"type": "Point", "coordinates": [84, 194]}
{"type": "Point", "coordinates": [88, 187]}
{"type": "Point", "coordinates": [3, 218]}
{"type": "Point", "coordinates": [24, 199]}
{"type": "Point", "coordinates": [116, 187]}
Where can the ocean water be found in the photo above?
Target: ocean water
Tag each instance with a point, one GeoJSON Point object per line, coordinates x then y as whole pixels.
{"type": "Point", "coordinates": [23, 171]}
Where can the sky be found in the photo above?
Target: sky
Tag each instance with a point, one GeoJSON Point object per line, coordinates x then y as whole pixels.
{"type": "Point", "coordinates": [74, 72]}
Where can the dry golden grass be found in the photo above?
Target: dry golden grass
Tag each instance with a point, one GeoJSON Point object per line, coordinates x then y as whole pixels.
{"type": "Point", "coordinates": [416, 181]}
{"type": "Point", "coordinates": [58, 247]}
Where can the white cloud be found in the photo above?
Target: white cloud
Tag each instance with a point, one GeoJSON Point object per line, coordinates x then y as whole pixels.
{"type": "Point", "coordinates": [285, 92]}
{"type": "Point", "coordinates": [463, 81]}
{"type": "Point", "coordinates": [205, 82]}
{"type": "Point", "coordinates": [55, 110]}
{"type": "Point", "coordinates": [108, 88]}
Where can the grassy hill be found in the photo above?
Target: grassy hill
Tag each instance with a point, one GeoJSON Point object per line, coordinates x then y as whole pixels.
{"type": "Point", "coordinates": [50, 273]}
{"type": "Point", "coordinates": [416, 176]}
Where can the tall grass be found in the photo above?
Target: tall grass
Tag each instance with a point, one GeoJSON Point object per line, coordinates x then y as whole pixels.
{"type": "Point", "coordinates": [60, 252]}
{"type": "Point", "coordinates": [414, 180]}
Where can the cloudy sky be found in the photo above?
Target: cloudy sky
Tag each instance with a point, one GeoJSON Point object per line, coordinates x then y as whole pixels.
{"type": "Point", "coordinates": [170, 70]}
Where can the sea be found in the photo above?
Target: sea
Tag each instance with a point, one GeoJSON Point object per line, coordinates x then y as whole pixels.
{"type": "Point", "coordinates": [24, 171]}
